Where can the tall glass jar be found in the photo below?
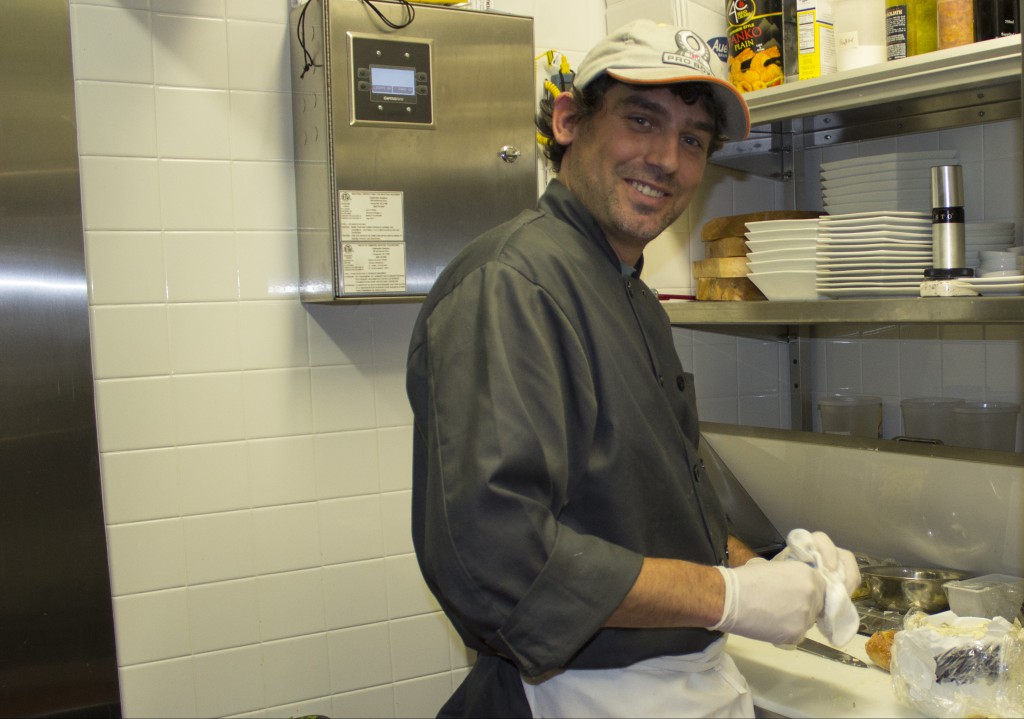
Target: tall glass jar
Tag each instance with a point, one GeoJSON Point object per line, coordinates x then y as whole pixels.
{"type": "Point", "coordinates": [922, 17]}
{"type": "Point", "coordinates": [954, 20]}
{"type": "Point", "coordinates": [910, 28]}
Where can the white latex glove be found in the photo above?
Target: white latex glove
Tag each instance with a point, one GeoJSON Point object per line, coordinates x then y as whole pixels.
{"type": "Point", "coordinates": [773, 602]}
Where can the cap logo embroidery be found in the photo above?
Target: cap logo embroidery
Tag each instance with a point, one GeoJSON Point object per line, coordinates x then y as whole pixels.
{"type": "Point", "coordinates": [692, 52]}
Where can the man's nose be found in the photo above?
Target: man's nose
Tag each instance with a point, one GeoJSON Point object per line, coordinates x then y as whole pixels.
{"type": "Point", "coordinates": [664, 153]}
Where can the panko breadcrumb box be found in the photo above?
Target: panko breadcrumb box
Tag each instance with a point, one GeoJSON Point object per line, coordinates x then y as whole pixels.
{"type": "Point", "coordinates": [758, 56]}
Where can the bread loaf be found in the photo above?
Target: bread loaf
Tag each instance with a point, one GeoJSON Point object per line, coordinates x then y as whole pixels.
{"type": "Point", "coordinates": [879, 647]}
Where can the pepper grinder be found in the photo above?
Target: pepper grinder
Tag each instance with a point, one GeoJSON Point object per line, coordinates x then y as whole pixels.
{"type": "Point", "coordinates": [948, 234]}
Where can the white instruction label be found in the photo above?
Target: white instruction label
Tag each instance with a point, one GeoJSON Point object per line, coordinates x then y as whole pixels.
{"type": "Point", "coordinates": [371, 216]}
{"type": "Point", "coordinates": [372, 241]}
{"type": "Point", "coordinates": [373, 267]}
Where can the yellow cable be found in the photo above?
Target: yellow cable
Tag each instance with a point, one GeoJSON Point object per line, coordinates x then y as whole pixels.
{"type": "Point", "coordinates": [552, 88]}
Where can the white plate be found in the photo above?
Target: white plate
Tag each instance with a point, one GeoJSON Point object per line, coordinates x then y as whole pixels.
{"type": "Point", "coordinates": [822, 285]}
{"type": "Point", "coordinates": [805, 225]}
{"type": "Point", "coordinates": [880, 181]}
{"type": "Point", "coordinates": [881, 206]}
{"type": "Point", "coordinates": [1005, 288]}
{"type": "Point", "coordinates": [886, 216]}
{"type": "Point", "coordinates": [781, 265]}
{"type": "Point", "coordinates": [782, 244]}
{"type": "Point", "coordinates": [782, 234]}
{"type": "Point", "coordinates": [793, 285]}
{"type": "Point", "coordinates": [871, 160]}
{"type": "Point", "coordinates": [888, 264]}
{"type": "Point", "coordinates": [871, 291]}
{"type": "Point", "coordinates": [875, 272]}
{"type": "Point", "coordinates": [910, 166]}
{"type": "Point", "coordinates": [854, 227]}
{"type": "Point", "coordinates": [846, 238]}
{"type": "Point", "coordinates": [880, 249]}
{"type": "Point", "coordinates": [793, 253]}
{"type": "Point", "coordinates": [1011, 279]}
{"type": "Point", "coordinates": [876, 196]}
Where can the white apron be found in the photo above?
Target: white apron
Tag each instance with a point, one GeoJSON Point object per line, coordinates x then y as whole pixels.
{"type": "Point", "coordinates": [703, 684]}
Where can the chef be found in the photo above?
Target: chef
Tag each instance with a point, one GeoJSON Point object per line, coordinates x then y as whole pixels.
{"type": "Point", "coordinates": [561, 515]}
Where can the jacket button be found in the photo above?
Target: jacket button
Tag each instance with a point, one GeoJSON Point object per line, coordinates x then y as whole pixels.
{"type": "Point", "coordinates": [661, 381]}
{"type": "Point", "coordinates": [681, 383]}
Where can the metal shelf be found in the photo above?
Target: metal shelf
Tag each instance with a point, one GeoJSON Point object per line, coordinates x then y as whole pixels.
{"type": "Point", "coordinates": [948, 88]}
{"type": "Point", "coordinates": [911, 310]}
{"type": "Point", "coordinates": [970, 67]}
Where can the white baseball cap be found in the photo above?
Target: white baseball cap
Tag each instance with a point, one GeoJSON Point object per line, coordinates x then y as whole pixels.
{"type": "Point", "coordinates": [646, 53]}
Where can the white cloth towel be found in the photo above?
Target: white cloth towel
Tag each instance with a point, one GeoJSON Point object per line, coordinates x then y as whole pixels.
{"type": "Point", "coordinates": [838, 620]}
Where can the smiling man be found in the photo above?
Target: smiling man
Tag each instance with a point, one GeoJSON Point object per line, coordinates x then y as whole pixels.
{"type": "Point", "coordinates": [561, 515]}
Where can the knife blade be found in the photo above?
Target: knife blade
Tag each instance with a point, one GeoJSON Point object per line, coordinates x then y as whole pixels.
{"type": "Point", "coordinates": [823, 650]}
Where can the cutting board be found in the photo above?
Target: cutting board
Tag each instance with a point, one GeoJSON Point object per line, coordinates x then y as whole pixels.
{"type": "Point", "coordinates": [736, 225]}
{"type": "Point", "coordinates": [726, 247]}
{"type": "Point", "coordinates": [721, 267]}
{"type": "Point", "coordinates": [727, 288]}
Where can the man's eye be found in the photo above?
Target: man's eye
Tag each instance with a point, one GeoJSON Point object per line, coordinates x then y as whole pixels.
{"type": "Point", "coordinates": [692, 141]}
{"type": "Point", "coordinates": [641, 121]}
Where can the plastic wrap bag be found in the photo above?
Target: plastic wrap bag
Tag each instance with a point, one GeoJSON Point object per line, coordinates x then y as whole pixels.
{"type": "Point", "coordinates": [949, 666]}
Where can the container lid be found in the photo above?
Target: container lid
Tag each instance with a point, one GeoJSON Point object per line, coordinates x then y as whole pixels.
{"type": "Point", "coordinates": [988, 408]}
{"type": "Point", "coordinates": [840, 400]}
{"type": "Point", "coordinates": [932, 402]}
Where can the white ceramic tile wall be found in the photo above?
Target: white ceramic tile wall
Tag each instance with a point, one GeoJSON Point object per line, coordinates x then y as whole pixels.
{"type": "Point", "coordinates": [255, 452]}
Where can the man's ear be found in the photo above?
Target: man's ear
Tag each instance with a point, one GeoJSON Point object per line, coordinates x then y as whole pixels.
{"type": "Point", "coordinates": [563, 119]}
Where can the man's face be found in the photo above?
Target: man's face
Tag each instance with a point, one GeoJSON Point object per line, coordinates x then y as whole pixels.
{"type": "Point", "coordinates": [636, 163]}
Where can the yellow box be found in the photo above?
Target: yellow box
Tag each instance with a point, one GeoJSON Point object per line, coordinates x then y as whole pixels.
{"type": "Point", "coordinates": [816, 40]}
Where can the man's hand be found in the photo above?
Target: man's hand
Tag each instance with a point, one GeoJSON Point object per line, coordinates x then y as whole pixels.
{"type": "Point", "coordinates": [773, 602]}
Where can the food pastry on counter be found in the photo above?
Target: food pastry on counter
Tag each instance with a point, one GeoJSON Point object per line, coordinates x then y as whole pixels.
{"type": "Point", "coordinates": [879, 647]}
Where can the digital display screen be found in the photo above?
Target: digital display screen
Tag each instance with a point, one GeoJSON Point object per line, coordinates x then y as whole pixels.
{"type": "Point", "coordinates": [392, 80]}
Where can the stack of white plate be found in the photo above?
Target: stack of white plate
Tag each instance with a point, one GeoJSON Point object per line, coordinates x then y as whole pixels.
{"type": "Point", "coordinates": [781, 258]}
{"type": "Point", "coordinates": [882, 254]}
{"type": "Point", "coordinates": [894, 182]}
{"type": "Point", "coordinates": [982, 236]}
{"type": "Point", "coordinates": [992, 286]}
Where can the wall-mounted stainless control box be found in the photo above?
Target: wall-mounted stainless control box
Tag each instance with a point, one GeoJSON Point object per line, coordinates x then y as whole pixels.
{"type": "Point", "coordinates": [408, 142]}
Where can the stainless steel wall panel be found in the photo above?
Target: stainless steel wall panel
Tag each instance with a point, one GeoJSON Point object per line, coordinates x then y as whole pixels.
{"type": "Point", "coordinates": [56, 621]}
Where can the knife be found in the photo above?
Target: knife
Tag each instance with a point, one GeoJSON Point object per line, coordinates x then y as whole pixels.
{"type": "Point", "coordinates": [823, 650]}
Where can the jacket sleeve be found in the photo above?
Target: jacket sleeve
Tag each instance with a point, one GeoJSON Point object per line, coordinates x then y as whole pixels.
{"type": "Point", "coordinates": [505, 410]}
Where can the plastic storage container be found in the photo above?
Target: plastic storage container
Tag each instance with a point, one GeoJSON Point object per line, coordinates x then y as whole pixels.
{"type": "Point", "coordinates": [860, 33]}
{"type": "Point", "coordinates": [929, 417]}
{"type": "Point", "coordinates": [988, 596]}
{"type": "Point", "coordinates": [852, 415]}
{"type": "Point", "coordinates": [986, 425]}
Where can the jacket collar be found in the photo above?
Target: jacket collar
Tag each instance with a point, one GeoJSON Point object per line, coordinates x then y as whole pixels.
{"type": "Point", "coordinates": [560, 202]}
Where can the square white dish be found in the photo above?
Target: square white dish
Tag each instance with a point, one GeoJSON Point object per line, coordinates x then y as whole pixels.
{"type": "Point", "coordinates": [789, 285]}
{"type": "Point", "coordinates": [782, 243]}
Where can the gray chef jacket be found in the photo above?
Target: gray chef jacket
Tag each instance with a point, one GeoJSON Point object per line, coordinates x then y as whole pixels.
{"type": "Point", "coordinates": [554, 448]}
